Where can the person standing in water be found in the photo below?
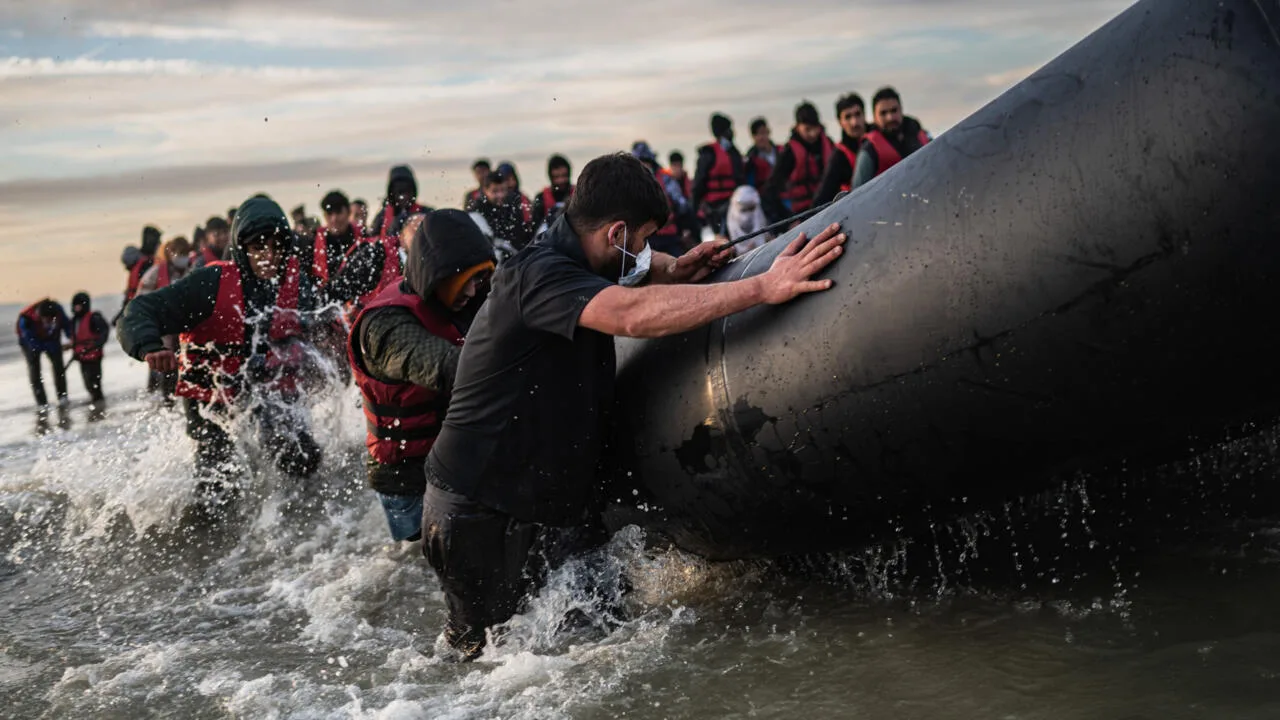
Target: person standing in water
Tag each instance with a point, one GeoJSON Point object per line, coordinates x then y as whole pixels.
{"type": "Point", "coordinates": [516, 459]}
{"type": "Point", "coordinates": [241, 324]}
{"type": "Point", "coordinates": [171, 266]}
{"type": "Point", "coordinates": [38, 328]}
{"type": "Point", "coordinates": [88, 337]}
{"type": "Point", "coordinates": [404, 349]}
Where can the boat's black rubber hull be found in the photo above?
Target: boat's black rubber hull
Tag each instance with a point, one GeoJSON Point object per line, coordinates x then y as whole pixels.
{"type": "Point", "coordinates": [1088, 266]}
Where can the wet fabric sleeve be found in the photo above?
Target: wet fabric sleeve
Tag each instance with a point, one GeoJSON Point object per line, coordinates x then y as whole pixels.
{"type": "Point", "coordinates": [553, 292]}
{"type": "Point", "coordinates": [168, 311]}
{"type": "Point", "coordinates": [868, 162]}
{"type": "Point", "coordinates": [834, 177]}
{"type": "Point", "coordinates": [395, 347]}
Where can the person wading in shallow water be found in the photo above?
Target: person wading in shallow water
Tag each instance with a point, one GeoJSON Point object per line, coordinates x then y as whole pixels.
{"type": "Point", "coordinates": [516, 459]}
{"type": "Point", "coordinates": [89, 333]}
{"type": "Point", "coordinates": [404, 349]}
{"type": "Point", "coordinates": [241, 324]}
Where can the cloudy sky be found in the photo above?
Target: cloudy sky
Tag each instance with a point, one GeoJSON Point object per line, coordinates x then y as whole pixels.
{"type": "Point", "coordinates": [116, 114]}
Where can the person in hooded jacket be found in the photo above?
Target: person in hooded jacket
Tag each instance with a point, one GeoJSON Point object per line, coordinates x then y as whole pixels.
{"type": "Point", "coordinates": [801, 162]}
{"type": "Point", "coordinates": [551, 201]}
{"type": "Point", "coordinates": [89, 331]}
{"type": "Point", "coordinates": [404, 349]}
{"type": "Point", "coordinates": [401, 202]}
{"type": "Point", "coordinates": [241, 323]}
{"type": "Point", "coordinates": [718, 173]}
{"type": "Point", "coordinates": [38, 328]}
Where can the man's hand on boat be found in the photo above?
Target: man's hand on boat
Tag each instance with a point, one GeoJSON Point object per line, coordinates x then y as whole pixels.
{"type": "Point", "coordinates": [790, 274]}
{"type": "Point", "coordinates": [695, 265]}
{"type": "Point", "coordinates": [162, 361]}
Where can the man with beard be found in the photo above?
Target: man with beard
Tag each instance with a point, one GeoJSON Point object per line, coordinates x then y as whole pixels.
{"type": "Point", "coordinates": [242, 323]}
{"type": "Point", "coordinates": [514, 467]}
{"type": "Point", "coordinates": [894, 137]}
{"type": "Point", "coordinates": [794, 181]}
{"type": "Point", "coordinates": [838, 177]}
{"type": "Point", "coordinates": [217, 235]}
{"type": "Point", "coordinates": [551, 201]}
{"type": "Point", "coordinates": [404, 350]}
{"type": "Point", "coordinates": [479, 169]}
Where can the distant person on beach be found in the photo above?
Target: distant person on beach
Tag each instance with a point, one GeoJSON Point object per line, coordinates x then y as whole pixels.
{"type": "Point", "coordinates": [329, 245]}
{"type": "Point", "coordinates": [667, 239]}
{"type": "Point", "coordinates": [514, 469]}
{"type": "Point", "coordinates": [551, 201]}
{"type": "Point", "coordinates": [145, 258]}
{"type": "Point", "coordinates": [401, 202]}
{"type": "Point", "coordinates": [480, 169]}
{"type": "Point", "coordinates": [504, 218]}
{"type": "Point", "coordinates": [242, 324]}
{"type": "Point", "coordinates": [762, 156]}
{"type": "Point", "coordinates": [838, 177]}
{"type": "Point", "coordinates": [39, 326]}
{"type": "Point", "coordinates": [519, 204]}
{"type": "Point", "coordinates": [403, 351]}
{"type": "Point", "coordinates": [718, 173]}
{"type": "Point", "coordinates": [894, 137]}
{"type": "Point", "coordinates": [89, 333]}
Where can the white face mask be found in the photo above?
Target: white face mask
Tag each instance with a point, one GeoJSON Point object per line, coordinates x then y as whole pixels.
{"type": "Point", "coordinates": [180, 262]}
{"type": "Point", "coordinates": [640, 263]}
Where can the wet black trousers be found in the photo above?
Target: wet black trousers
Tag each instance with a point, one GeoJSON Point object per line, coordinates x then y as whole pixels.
{"type": "Point", "coordinates": [91, 372]}
{"type": "Point", "coordinates": [488, 562]}
{"type": "Point", "coordinates": [33, 373]}
{"type": "Point", "coordinates": [282, 435]}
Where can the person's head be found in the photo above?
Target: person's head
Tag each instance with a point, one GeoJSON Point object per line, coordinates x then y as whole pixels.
{"type": "Point", "coordinates": [262, 237]}
{"type": "Point", "coordinates": [507, 170]}
{"type": "Point", "coordinates": [150, 240]}
{"type": "Point", "coordinates": [852, 116]}
{"type": "Point", "coordinates": [450, 261]}
{"type": "Point", "coordinates": [721, 127]}
{"type": "Point", "coordinates": [80, 303]}
{"type": "Point", "coordinates": [480, 168]}
{"type": "Point", "coordinates": [887, 107]}
{"type": "Point", "coordinates": [217, 235]}
{"type": "Point", "coordinates": [808, 126]}
{"type": "Point", "coordinates": [402, 187]}
{"type": "Point", "coordinates": [337, 211]}
{"type": "Point", "coordinates": [558, 171]}
{"type": "Point", "coordinates": [494, 188]}
{"type": "Point", "coordinates": [675, 161]}
{"type": "Point", "coordinates": [177, 252]}
{"type": "Point", "coordinates": [359, 212]}
{"type": "Point", "coordinates": [617, 204]}
{"type": "Point", "coordinates": [645, 154]}
{"type": "Point", "coordinates": [47, 310]}
{"type": "Point", "coordinates": [760, 134]}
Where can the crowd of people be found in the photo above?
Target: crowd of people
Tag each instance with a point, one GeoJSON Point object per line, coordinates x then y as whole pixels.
{"type": "Point", "coordinates": [481, 338]}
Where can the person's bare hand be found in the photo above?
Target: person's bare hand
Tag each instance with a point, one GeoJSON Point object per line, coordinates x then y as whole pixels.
{"type": "Point", "coordinates": [162, 361]}
{"type": "Point", "coordinates": [791, 271]}
{"type": "Point", "coordinates": [701, 260]}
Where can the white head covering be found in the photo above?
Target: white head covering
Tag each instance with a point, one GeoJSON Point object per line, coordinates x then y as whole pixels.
{"type": "Point", "coordinates": [746, 217]}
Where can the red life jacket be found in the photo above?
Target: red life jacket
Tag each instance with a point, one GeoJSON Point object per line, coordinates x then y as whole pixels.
{"type": "Point", "coordinates": [389, 216]}
{"type": "Point", "coordinates": [209, 255]}
{"type": "Point", "coordinates": [526, 209]}
{"type": "Point", "coordinates": [761, 167]}
{"type": "Point", "coordinates": [162, 276]}
{"type": "Point", "coordinates": [135, 275]}
{"type": "Point", "coordinates": [803, 183]}
{"type": "Point", "coordinates": [472, 197]}
{"type": "Point", "coordinates": [670, 229]}
{"type": "Point", "coordinates": [402, 420]}
{"type": "Point", "coordinates": [320, 258]}
{"type": "Point", "coordinates": [852, 155]}
{"type": "Point", "coordinates": [85, 348]}
{"type": "Point", "coordinates": [549, 199]}
{"type": "Point", "coordinates": [887, 154]}
{"type": "Point", "coordinates": [32, 315]}
{"type": "Point", "coordinates": [212, 353]}
{"type": "Point", "coordinates": [720, 180]}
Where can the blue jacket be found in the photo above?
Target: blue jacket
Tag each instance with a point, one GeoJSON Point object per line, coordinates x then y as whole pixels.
{"type": "Point", "coordinates": [33, 336]}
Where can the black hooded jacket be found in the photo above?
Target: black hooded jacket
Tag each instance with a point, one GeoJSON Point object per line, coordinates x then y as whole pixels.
{"type": "Point", "coordinates": [839, 171]}
{"type": "Point", "coordinates": [190, 301]}
{"type": "Point", "coordinates": [97, 324]}
{"type": "Point", "coordinates": [402, 173]}
{"type": "Point", "coordinates": [395, 348]}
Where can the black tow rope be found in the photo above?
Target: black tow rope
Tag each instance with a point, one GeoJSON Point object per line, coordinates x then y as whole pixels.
{"type": "Point", "coordinates": [805, 215]}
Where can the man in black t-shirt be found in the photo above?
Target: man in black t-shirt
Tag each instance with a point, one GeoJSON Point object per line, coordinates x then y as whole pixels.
{"type": "Point", "coordinates": [522, 439]}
